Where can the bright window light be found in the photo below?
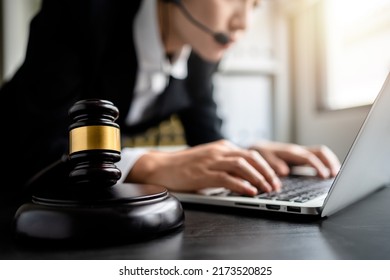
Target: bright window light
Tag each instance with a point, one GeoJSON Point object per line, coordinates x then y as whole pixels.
{"type": "Point", "coordinates": [357, 36]}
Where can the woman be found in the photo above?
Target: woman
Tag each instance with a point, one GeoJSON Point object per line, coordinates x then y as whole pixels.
{"type": "Point", "coordinates": [151, 60]}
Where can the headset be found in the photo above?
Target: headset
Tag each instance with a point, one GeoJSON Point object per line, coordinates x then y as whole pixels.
{"type": "Point", "coordinates": [219, 37]}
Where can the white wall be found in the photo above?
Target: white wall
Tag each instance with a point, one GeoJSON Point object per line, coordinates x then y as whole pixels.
{"type": "Point", "coordinates": [252, 87]}
{"type": "Point", "coordinates": [16, 17]}
{"type": "Point", "coordinates": [337, 129]}
{"type": "Point", "coordinates": [245, 106]}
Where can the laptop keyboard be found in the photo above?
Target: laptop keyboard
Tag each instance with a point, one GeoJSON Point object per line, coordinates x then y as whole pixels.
{"type": "Point", "coordinates": [298, 189]}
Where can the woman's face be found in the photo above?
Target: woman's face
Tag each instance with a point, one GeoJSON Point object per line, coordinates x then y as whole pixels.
{"type": "Point", "coordinates": [230, 17]}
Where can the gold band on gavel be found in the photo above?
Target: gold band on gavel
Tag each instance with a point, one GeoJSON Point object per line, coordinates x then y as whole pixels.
{"type": "Point", "coordinates": [94, 137]}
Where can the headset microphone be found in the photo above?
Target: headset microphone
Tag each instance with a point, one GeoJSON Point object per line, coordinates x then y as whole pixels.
{"type": "Point", "coordinates": [220, 37]}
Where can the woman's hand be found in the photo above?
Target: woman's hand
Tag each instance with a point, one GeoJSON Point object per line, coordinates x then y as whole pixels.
{"type": "Point", "coordinates": [282, 155]}
{"type": "Point", "coordinates": [217, 164]}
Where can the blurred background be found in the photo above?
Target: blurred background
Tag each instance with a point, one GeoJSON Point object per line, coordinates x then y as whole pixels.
{"type": "Point", "coordinates": [306, 72]}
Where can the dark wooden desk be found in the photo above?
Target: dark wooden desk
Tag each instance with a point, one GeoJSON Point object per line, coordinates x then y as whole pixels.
{"type": "Point", "coordinates": [361, 231]}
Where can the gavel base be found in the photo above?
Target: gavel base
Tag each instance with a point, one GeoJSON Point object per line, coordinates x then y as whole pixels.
{"type": "Point", "coordinates": [121, 212]}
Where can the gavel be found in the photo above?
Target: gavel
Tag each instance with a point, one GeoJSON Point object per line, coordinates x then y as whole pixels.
{"type": "Point", "coordinates": [88, 204]}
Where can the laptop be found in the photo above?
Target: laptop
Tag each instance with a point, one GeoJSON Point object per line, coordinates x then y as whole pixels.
{"type": "Point", "coordinates": [365, 169]}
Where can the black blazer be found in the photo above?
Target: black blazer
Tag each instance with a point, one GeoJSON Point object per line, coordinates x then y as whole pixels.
{"type": "Point", "coordinates": [81, 49]}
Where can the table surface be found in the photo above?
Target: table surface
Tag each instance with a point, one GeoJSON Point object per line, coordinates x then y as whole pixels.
{"type": "Point", "coordinates": [360, 231]}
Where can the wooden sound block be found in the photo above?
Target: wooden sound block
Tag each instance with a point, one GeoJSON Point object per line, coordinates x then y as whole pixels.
{"type": "Point", "coordinates": [121, 212]}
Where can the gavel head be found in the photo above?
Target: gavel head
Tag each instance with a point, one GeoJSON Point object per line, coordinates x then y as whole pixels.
{"type": "Point", "coordinates": [94, 143]}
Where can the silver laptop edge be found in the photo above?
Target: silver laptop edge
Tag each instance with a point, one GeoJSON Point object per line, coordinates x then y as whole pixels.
{"type": "Point", "coordinates": [366, 167]}
{"type": "Point", "coordinates": [364, 170]}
